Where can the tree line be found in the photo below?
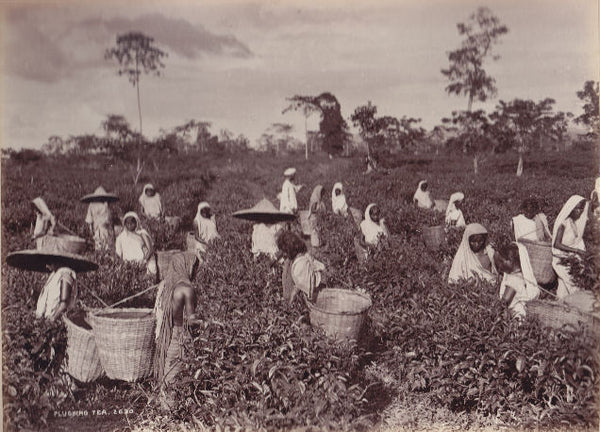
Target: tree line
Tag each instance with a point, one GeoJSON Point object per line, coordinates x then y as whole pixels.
{"type": "Point", "coordinates": [521, 125]}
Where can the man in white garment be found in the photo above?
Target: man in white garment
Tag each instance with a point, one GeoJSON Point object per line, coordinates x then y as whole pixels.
{"type": "Point", "coordinates": [287, 200]}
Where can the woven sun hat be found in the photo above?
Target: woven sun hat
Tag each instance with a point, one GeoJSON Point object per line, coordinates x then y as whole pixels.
{"type": "Point", "coordinates": [264, 212]}
{"type": "Point", "coordinates": [289, 172]}
{"type": "Point", "coordinates": [37, 260]}
{"type": "Point", "coordinates": [100, 195]}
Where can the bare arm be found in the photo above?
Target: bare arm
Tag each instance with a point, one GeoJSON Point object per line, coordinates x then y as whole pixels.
{"type": "Point", "coordinates": [558, 244]}
{"type": "Point", "coordinates": [65, 296]}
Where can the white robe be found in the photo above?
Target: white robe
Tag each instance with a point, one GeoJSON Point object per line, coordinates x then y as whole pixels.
{"type": "Point", "coordinates": [423, 198]}
{"type": "Point", "coordinates": [524, 292]}
{"type": "Point", "coordinates": [99, 217]}
{"type": "Point", "coordinates": [306, 273]}
{"type": "Point", "coordinates": [373, 232]}
{"type": "Point", "coordinates": [151, 206]}
{"type": "Point", "coordinates": [572, 237]}
{"type": "Point", "coordinates": [466, 264]}
{"type": "Point", "coordinates": [49, 298]}
{"type": "Point", "coordinates": [454, 216]}
{"type": "Point", "coordinates": [264, 239]}
{"type": "Point", "coordinates": [338, 202]}
{"type": "Point", "coordinates": [288, 202]}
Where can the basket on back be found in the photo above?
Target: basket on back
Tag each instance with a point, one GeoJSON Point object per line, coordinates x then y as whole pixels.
{"type": "Point", "coordinates": [540, 256]}
{"type": "Point", "coordinates": [83, 359]}
{"type": "Point", "coordinates": [339, 312]}
{"type": "Point", "coordinates": [433, 236]}
{"type": "Point", "coordinates": [64, 243]}
{"type": "Point", "coordinates": [125, 341]}
{"type": "Point", "coordinates": [560, 315]}
{"type": "Point", "coordinates": [362, 254]}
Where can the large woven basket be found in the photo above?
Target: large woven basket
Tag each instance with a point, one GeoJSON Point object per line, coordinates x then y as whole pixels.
{"type": "Point", "coordinates": [339, 312]}
{"type": "Point", "coordinates": [173, 222]}
{"type": "Point", "coordinates": [559, 315]}
{"type": "Point", "coordinates": [440, 205]}
{"type": "Point", "coordinates": [433, 236]}
{"type": "Point", "coordinates": [125, 341]}
{"type": "Point", "coordinates": [83, 360]}
{"type": "Point", "coordinates": [64, 243]}
{"type": "Point", "coordinates": [540, 256]}
{"type": "Point", "coordinates": [163, 259]}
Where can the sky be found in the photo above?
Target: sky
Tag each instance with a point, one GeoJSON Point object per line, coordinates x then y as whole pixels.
{"type": "Point", "coordinates": [234, 63]}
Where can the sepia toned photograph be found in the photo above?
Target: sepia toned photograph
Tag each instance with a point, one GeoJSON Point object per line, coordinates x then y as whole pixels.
{"type": "Point", "coordinates": [284, 215]}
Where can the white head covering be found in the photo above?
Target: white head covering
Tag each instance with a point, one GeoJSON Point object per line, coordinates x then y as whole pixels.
{"type": "Point", "coordinates": [578, 225]}
{"type": "Point", "coordinates": [152, 205]}
{"type": "Point", "coordinates": [338, 202]}
{"type": "Point", "coordinates": [289, 172]}
{"type": "Point", "coordinates": [207, 227]}
{"type": "Point", "coordinates": [423, 198]}
{"type": "Point", "coordinates": [453, 213]}
{"type": "Point", "coordinates": [371, 230]}
{"type": "Point", "coordinates": [466, 264]}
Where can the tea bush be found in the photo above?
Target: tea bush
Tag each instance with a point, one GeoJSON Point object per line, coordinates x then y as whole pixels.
{"type": "Point", "coordinates": [255, 362]}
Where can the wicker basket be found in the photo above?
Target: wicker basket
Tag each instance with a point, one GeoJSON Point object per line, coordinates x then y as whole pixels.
{"type": "Point", "coordinates": [339, 312]}
{"type": "Point", "coordinates": [125, 341]}
{"type": "Point", "coordinates": [356, 215]}
{"type": "Point", "coordinates": [560, 315]}
{"type": "Point", "coordinates": [433, 236]}
{"type": "Point", "coordinates": [540, 256]}
{"type": "Point", "coordinates": [64, 243]}
{"type": "Point", "coordinates": [84, 362]}
{"type": "Point", "coordinates": [163, 258]}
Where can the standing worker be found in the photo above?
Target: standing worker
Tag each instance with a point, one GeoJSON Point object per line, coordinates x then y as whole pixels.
{"type": "Point", "coordinates": [288, 202]}
{"type": "Point", "coordinates": [99, 218]}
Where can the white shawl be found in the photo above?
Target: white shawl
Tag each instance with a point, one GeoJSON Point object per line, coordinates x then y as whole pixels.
{"type": "Point", "coordinates": [454, 216]}
{"type": "Point", "coordinates": [423, 198]}
{"type": "Point", "coordinates": [372, 231]}
{"type": "Point", "coordinates": [207, 227]}
{"type": "Point", "coordinates": [338, 202]}
{"type": "Point", "coordinates": [152, 206]}
{"type": "Point", "coordinates": [466, 264]}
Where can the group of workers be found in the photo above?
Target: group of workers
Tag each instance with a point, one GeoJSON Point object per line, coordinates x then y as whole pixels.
{"type": "Point", "coordinates": [302, 272]}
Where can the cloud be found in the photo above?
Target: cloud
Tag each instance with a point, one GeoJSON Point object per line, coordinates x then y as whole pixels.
{"type": "Point", "coordinates": [45, 45]}
{"type": "Point", "coordinates": [179, 35]}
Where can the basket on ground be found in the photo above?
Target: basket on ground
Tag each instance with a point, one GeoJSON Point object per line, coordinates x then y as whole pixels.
{"type": "Point", "coordinates": [83, 359]}
{"type": "Point", "coordinates": [559, 315]}
{"type": "Point", "coordinates": [64, 243]}
{"type": "Point", "coordinates": [540, 256]}
{"type": "Point", "coordinates": [125, 341]}
{"type": "Point", "coordinates": [433, 236]}
{"type": "Point", "coordinates": [339, 312]}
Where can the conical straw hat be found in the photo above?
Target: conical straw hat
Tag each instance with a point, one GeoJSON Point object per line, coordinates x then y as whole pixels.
{"type": "Point", "coordinates": [100, 195]}
{"type": "Point", "coordinates": [265, 212]}
{"type": "Point", "coordinates": [36, 260]}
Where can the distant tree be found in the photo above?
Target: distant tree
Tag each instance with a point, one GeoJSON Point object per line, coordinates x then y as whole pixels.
{"type": "Point", "coordinates": [466, 73]}
{"type": "Point", "coordinates": [590, 117]}
{"type": "Point", "coordinates": [307, 110]}
{"type": "Point", "coordinates": [202, 131]}
{"type": "Point", "coordinates": [524, 125]}
{"type": "Point", "coordinates": [471, 130]}
{"type": "Point", "coordinates": [135, 53]}
{"type": "Point", "coordinates": [25, 156]}
{"type": "Point", "coordinates": [383, 134]}
{"type": "Point", "coordinates": [117, 127]}
{"type": "Point", "coordinates": [333, 127]}
{"type": "Point", "coordinates": [54, 146]}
